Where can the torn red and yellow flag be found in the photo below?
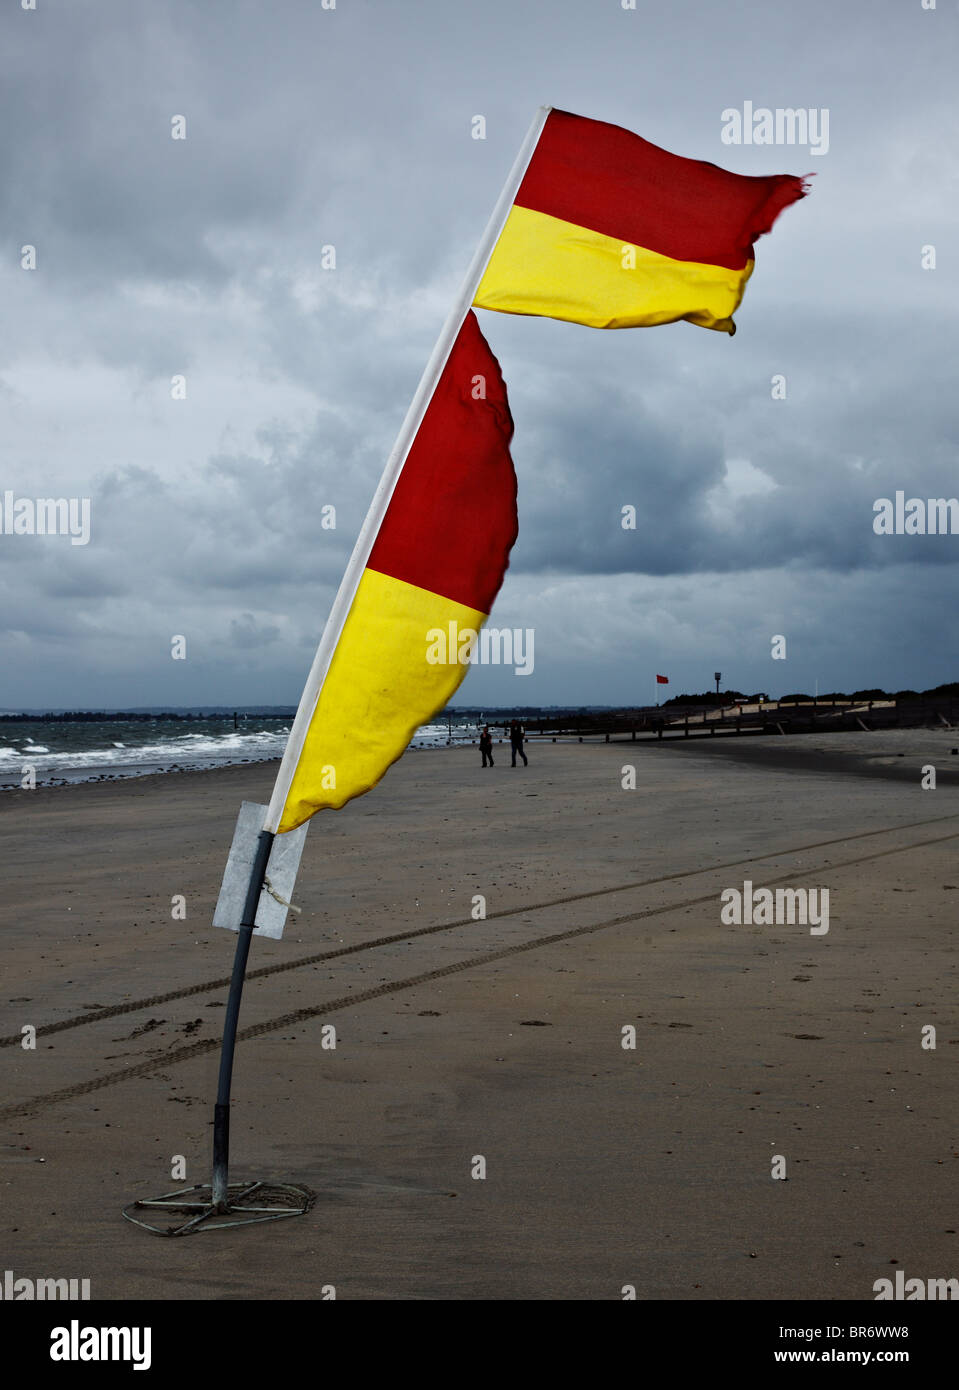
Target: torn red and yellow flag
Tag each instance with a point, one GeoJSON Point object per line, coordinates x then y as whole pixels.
{"type": "Point", "coordinates": [613, 232]}
{"type": "Point", "coordinates": [438, 558]}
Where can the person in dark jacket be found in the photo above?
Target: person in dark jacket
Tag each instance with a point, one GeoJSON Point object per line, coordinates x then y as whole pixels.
{"type": "Point", "coordinates": [486, 746]}
{"type": "Point", "coordinates": [516, 736]}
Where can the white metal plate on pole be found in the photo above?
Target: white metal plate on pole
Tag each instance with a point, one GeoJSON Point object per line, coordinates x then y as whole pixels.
{"type": "Point", "coordinates": [280, 874]}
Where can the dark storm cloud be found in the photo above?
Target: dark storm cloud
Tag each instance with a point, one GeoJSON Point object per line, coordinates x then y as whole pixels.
{"type": "Point", "coordinates": [351, 128]}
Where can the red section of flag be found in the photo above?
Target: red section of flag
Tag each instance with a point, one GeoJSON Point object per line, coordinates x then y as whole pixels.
{"type": "Point", "coordinates": [606, 178]}
{"type": "Point", "coordinates": [662, 680]}
{"type": "Point", "coordinates": [451, 521]}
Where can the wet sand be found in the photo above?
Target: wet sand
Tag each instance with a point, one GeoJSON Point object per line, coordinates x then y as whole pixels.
{"type": "Point", "coordinates": [605, 1166]}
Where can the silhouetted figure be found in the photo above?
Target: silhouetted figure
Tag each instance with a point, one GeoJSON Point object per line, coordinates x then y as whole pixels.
{"type": "Point", "coordinates": [516, 736]}
{"type": "Point", "coordinates": [486, 746]}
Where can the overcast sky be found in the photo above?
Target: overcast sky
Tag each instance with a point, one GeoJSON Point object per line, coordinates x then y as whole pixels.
{"type": "Point", "coordinates": [351, 127]}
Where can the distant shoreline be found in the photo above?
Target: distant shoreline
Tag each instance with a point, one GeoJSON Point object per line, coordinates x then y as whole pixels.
{"type": "Point", "coordinates": [10, 777]}
{"type": "Point", "coordinates": [886, 754]}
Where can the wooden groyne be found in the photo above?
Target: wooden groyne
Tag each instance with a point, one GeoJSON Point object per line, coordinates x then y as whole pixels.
{"type": "Point", "coordinates": [771, 717]}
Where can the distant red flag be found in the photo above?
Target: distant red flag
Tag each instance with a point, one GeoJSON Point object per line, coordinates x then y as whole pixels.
{"type": "Point", "coordinates": [662, 680]}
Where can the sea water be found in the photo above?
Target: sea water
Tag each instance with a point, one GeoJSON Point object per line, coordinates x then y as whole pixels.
{"type": "Point", "coordinates": [62, 751]}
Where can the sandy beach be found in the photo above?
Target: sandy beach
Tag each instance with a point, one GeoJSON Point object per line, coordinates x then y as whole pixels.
{"type": "Point", "coordinates": [606, 1166]}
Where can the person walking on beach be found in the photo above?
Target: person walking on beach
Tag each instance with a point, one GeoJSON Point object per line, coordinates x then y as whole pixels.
{"type": "Point", "coordinates": [486, 746]}
{"type": "Point", "coordinates": [516, 735]}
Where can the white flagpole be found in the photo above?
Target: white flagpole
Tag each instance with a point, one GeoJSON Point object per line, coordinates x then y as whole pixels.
{"type": "Point", "coordinates": [394, 466]}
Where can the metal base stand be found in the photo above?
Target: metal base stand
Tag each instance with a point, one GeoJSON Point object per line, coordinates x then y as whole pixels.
{"type": "Point", "coordinates": [245, 1203]}
{"type": "Point", "coordinates": [222, 1203]}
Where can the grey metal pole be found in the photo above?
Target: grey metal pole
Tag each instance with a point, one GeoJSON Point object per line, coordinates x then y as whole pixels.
{"type": "Point", "coordinates": [394, 466]}
{"type": "Point", "coordinates": [221, 1115]}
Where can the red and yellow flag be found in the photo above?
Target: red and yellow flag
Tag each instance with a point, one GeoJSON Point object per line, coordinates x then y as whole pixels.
{"type": "Point", "coordinates": [604, 229]}
{"type": "Point", "coordinates": [439, 557]}
{"type": "Point", "coordinates": [611, 231]}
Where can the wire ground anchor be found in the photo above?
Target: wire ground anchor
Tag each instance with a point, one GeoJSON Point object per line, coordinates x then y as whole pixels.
{"type": "Point", "coordinates": [246, 1203]}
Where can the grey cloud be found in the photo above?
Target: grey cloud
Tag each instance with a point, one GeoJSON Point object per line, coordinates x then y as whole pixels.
{"type": "Point", "coordinates": [308, 127]}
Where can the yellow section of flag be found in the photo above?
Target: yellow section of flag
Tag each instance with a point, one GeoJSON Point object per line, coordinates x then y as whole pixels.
{"type": "Point", "coordinates": [543, 265]}
{"type": "Point", "coordinates": [379, 689]}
